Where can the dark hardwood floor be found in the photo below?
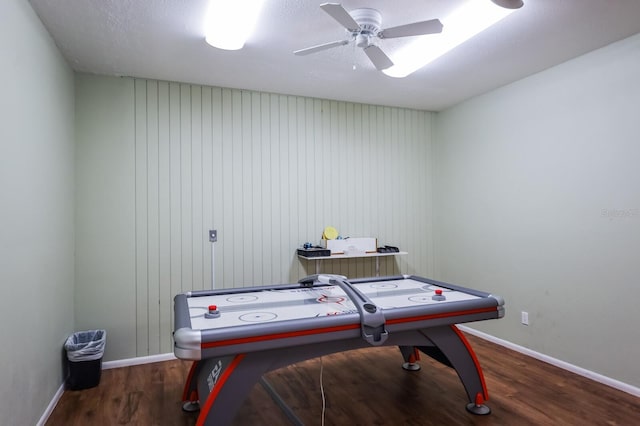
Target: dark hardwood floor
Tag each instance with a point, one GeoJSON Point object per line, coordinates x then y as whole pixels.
{"type": "Point", "coordinates": [364, 387]}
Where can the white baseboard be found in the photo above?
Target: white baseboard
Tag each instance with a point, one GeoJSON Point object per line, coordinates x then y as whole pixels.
{"type": "Point", "coordinates": [51, 406]}
{"type": "Point", "coordinates": [137, 361]}
{"type": "Point", "coordinates": [616, 384]}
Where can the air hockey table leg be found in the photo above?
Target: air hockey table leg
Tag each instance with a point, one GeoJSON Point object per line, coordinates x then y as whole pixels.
{"type": "Point", "coordinates": [231, 385]}
{"type": "Point", "coordinates": [410, 355]}
{"type": "Point", "coordinates": [190, 392]}
{"type": "Point", "coordinates": [462, 358]}
{"type": "Point", "coordinates": [191, 406]}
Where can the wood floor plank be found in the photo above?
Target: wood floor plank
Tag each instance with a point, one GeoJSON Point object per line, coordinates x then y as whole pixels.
{"type": "Point", "coordinates": [364, 387]}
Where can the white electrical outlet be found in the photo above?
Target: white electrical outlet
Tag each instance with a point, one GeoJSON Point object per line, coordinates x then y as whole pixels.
{"type": "Point", "coordinates": [525, 318]}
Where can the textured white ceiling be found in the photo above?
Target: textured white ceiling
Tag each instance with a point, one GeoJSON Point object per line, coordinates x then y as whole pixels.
{"type": "Point", "coordinates": [164, 39]}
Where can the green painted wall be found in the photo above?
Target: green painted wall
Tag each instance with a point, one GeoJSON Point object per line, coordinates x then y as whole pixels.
{"type": "Point", "coordinates": [36, 214]}
{"type": "Point", "coordinates": [159, 164]}
{"type": "Point", "coordinates": [538, 200]}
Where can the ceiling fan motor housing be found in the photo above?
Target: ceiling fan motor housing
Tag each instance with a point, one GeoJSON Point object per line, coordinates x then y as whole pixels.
{"type": "Point", "coordinates": [370, 21]}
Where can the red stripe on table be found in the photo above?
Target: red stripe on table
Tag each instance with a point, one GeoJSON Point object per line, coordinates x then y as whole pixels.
{"type": "Point", "coordinates": [276, 336]}
{"type": "Point", "coordinates": [442, 315]}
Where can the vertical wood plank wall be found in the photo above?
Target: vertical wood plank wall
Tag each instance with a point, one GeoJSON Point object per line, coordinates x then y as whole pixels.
{"type": "Point", "coordinates": [269, 172]}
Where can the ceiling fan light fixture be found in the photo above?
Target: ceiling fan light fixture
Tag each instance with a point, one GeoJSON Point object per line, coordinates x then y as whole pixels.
{"type": "Point", "coordinates": [467, 21]}
{"type": "Point", "coordinates": [509, 4]}
{"type": "Point", "coordinates": [362, 40]}
{"type": "Point", "coordinates": [230, 23]}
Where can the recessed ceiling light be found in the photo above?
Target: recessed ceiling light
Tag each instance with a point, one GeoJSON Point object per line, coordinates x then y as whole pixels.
{"type": "Point", "coordinates": [229, 23]}
{"type": "Point", "coordinates": [465, 22]}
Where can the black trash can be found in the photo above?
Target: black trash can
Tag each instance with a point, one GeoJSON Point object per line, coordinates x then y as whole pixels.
{"type": "Point", "coordinates": [85, 350]}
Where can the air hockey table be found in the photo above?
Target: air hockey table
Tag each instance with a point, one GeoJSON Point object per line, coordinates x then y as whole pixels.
{"type": "Point", "coordinates": [235, 336]}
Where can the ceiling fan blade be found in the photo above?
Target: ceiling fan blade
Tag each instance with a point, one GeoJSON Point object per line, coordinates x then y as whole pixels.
{"type": "Point", "coordinates": [318, 48]}
{"type": "Point", "coordinates": [337, 12]}
{"type": "Point", "coordinates": [432, 26]}
{"type": "Point", "coordinates": [378, 57]}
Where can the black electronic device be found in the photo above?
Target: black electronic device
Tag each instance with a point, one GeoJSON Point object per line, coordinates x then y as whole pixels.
{"type": "Point", "coordinates": [388, 249]}
{"type": "Point", "coordinates": [314, 252]}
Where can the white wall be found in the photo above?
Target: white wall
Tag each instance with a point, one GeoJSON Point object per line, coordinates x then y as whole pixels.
{"type": "Point", "coordinates": [36, 214]}
{"type": "Point", "coordinates": [159, 164]}
{"type": "Point", "coordinates": [538, 200]}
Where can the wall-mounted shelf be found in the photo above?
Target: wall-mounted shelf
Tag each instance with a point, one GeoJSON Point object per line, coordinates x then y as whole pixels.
{"type": "Point", "coordinates": [377, 256]}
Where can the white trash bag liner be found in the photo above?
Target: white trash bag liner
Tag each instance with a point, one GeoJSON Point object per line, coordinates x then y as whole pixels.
{"type": "Point", "coordinates": [86, 345]}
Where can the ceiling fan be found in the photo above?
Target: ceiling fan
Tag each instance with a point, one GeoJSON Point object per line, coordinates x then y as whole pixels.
{"type": "Point", "coordinates": [364, 26]}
